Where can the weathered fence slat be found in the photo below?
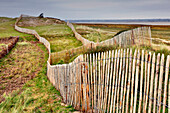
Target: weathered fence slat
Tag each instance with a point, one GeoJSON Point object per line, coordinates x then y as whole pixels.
{"type": "Point", "coordinates": [93, 79]}
{"type": "Point", "coordinates": [84, 101]}
{"type": "Point", "coordinates": [88, 85]}
{"type": "Point", "coordinates": [126, 74]}
{"type": "Point", "coordinates": [119, 78]}
{"type": "Point", "coordinates": [114, 81]}
{"type": "Point", "coordinates": [115, 86]}
{"type": "Point", "coordinates": [141, 81]}
{"type": "Point", "coordinates": [165, 82]}
{"type": "Point", "coordinates": [136, 81]}
{"type": "Point", "coordinates": [148, 79]}
{"type": "Point", "coordinates": [122, 80]}
{"type": "Point", "coordinates": [145, 80]}
{"type": "Point", "coordinates": [99, 80]}
{"type": "Point", "coordinates": [160, 84]}
{"type": "Point", "coordinates": [114, 71]}
{"type": "Point", "coordinates": [132, 84]}
{"type": "Point", "coordinates": [107, 79]}
{"type": "Point", "coordinates": [129, 78]}
{"type": "Point", "coordinates": [104, 61]}
{"type": "Point", "coordinates": [96, 77]}
{"type": "Point", "coordinates": [156, 82]}
{"type": "Point", "coordinates": [95, 84]}
{"type": "Point", "coordinates": [101, 88]}
{"type": "Point", "coordinates": [110, 82]}
{"type": "Point", "coordinates": [151, 83]}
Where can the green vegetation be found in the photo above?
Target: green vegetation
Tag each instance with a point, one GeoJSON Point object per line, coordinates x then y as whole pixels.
{"type": "Point", "coordinates": [60, 36]}
{"type": "Point", "coordinates": [28, 60]}
{"type": "Point", "coordinates": [7, 28]}
{"type": "Point", "coordinates": [161, 32]}
{"type": "Point", "coordinates": [99, 33]}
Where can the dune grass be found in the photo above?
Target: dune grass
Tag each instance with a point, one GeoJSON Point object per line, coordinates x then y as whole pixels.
{"type": "Point", "coordinates": [161, 32]}
{"type": "Point", "coordinates": [60, 36]}
{"type": "Point", "coordinates": [7, 28]}
{"type": "Point", "coordinates": [99, 33]}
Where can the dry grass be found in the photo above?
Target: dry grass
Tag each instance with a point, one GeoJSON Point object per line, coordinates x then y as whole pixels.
{"type": "Point", "coordinates": [60, 36]}
{"type": "Point", "coordinates": [98, 33]}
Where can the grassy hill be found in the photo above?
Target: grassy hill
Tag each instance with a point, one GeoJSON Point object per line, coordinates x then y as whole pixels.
{"type": "Point", "coordinates": [23, 76]}
{"type": "Point", "coordinates": [57, 33]}
{"type": "Point", "coordinates": [7, 28]}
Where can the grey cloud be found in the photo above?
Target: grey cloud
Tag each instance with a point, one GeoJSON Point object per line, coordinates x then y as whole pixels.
{"type": "Point", "coordinates": [87, 9]}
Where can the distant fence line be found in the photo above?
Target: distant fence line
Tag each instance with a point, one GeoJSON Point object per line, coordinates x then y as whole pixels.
{"type": "Point", "coordinates": [138, 36]}
{"type": "Point", "coordinates": [85, 42]}
{"type": "Point", "coordinates": [115, 81]}
{"type": "Point", "coordinates": [33, 32]}
{"type": "Point", "coordinates": [56, 56]}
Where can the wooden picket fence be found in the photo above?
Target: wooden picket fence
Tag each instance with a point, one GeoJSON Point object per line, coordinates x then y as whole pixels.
{"type": "Point", "coordinates": [115, 81]}
{"type": "Point", "coordinates": [112, 81]}
{"type": "Point", "coordinates": [140, 36]}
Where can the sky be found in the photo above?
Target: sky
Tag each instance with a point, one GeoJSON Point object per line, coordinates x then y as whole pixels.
{"type": "Point", "coordinates": [87, 9]}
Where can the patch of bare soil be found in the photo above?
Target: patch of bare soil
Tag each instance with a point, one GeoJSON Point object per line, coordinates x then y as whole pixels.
{"type": "Point", "coordinates": [6, 44]}
{"type": "Point", "coordinates": [36, 21]}
{"type": "Point", "coordinates": [22, 64]}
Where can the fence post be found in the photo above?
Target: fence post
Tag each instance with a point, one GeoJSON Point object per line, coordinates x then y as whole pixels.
{"type": "Point", "coordinates": [103, 72]}
{"type": "Point", "coordinates": [151, 82]}
{"type": "Point", "coordinates": [133, 37]}
{"type": "Point", "coordinates": [129, 78]}
{"type": "Point", "coordinates": [115, 86]}
{"type": "Point", "coordinates": [165, 83]}
{"type": "Point", "coordinates": [102, 78]}
{"type": "Point", "coordinates": [83, 87]}
{"type": "Point", "coordinates": [148, 79]}
{"type": "Point", "coordinates": [95, 82]}
{"type": "Point", "coordinates": [132, 84]}
{"type": "Point", "coordinates": [160, 83]}
{"type": "Point", "coordinates": [91, 77]}
{"type": "Point", "coordinates": [105, 80]}
{"type": "Point", "coordinates": [141, 81]}
{"type": "Point", "coordinates": [136, 81]}
{"type": "Point", "coordinates": [99, 80]}
{"type": "Point", "coordinates": [156, 81]}
{"type": "Point", "coordinates": [122, 80]}
{"type": "Point", "coordinates": [88, 84]}
{"type": "Point", "coordinates": [145, 81]}
{"type": "Point", "coordinates": [126, 73]}
{"type": "Point", "coordinates": [115, 58]}
{"type": "Point", "coordinates": [110, 82]}
{"type": "Point", "coordinates": [119, 78]}
{"type": "Point", "coordinates": [150, 35]}
{"type": "Point", "coordinates": [79, 84]}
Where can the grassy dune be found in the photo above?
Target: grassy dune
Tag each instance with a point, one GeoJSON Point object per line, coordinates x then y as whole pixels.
{"type": "Point", "coordinates": [99, 33]}
{"type": "Point", "coordinates": [7, 28]}
{"type": "Point", "coordinates": [60, 36]}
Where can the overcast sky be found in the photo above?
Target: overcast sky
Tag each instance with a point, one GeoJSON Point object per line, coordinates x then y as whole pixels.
{"type": "Point", "coordinates": [87, 9]}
